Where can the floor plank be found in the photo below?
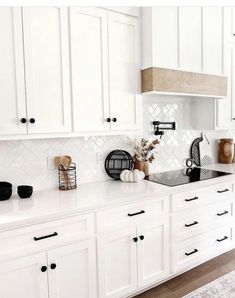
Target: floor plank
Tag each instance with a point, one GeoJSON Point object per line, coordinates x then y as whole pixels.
{"type": "Point", "coordinates": [194, 278]}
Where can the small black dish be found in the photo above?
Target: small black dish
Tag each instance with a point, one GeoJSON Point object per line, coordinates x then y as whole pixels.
{"type": "Point", "coordinates": [24, 191]}
{"type": "Point", "coordinates": [5, 190]}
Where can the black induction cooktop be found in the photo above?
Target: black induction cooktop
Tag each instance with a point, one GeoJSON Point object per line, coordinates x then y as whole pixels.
{"type": "Point", "coordinates": [184, 176]}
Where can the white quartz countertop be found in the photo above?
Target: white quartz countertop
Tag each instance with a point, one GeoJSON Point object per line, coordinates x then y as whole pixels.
{"type": "Point", "coordinates": [51, 204]}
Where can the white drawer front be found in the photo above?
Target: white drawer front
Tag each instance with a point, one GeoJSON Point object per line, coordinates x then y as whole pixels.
{"type": "Point", "coordinates": [132, 214]}
{"type": "Point", "coordinates": [201, 196]}
{"type": "Point", "coordinates": [185, 225]}
{"type": "Point", "coordinates": [47, 233]}
{"type": "Point", "coordinates": [189, 253]}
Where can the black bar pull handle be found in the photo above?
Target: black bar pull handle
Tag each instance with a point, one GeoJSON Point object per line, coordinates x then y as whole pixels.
{"type": "Point", "coordinates": [192, 224]}
{"type": "Point", "coordinates": [44, 237]}
{"type": "Point", "coordinates": [137, 213]}
{"type": "Point", "coordinates": [223, 213]}
{"type": "Point", "coordinates": [222, 239]}
{"type": "Point", "coordinates": [192, 199]}
{"type": "Point", "coordinates": [224, 190]}
{"type": "Point", "coordinates": [192, 252]}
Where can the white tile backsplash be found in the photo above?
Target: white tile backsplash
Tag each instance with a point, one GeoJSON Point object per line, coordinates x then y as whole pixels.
{"type": "Point", "coordinates": [25, 161]}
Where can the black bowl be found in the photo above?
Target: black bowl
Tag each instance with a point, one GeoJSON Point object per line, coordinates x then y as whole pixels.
{"type": "Point", "coordinates": [24, 191]}
{"type": "Point", "coordinates": [5, 191]}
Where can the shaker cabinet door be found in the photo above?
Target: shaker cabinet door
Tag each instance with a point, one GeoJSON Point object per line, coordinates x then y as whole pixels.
{"type": "Point", "coordinates": [46, 46]}
{"type": "Point", "coordinates": [153, 252]}
{"type": "Point", "coordinates": [89, 57]}
{"type": "Point", "coordinates": [12, 89]}
{"type": "Point", "coordinates": [190, 44]}
{"type": "Point", "coordinates": [165, 37]}
{"type": "Point", "coordinates": [212, 40]}
{"type": "Point", "coordinates": [117, 262]}
{"type": "Point", "coordinates": [124, 72]}
{"type": "Point", "coordinates": [72, 271]}
{"type": "Point", "coordinates": [24, 278]}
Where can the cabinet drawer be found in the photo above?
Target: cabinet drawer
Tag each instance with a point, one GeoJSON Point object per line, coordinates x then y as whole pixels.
{"type": "Point", "coordinates": [189, 224]}
{"type": "Point", "coordinates": [201, 196]}
{"type": "Point", "coordinates": [46, 234]}
{"type": "Point", "coordinates": [189, 253]}
{"type": "Point", "coordinates": [132, 214]}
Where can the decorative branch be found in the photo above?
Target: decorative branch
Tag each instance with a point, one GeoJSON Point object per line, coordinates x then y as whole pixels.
{"type": "Point", "coordinates": [144, 149]}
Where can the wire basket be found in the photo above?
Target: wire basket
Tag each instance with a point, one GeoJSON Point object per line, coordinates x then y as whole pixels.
{"type": "Point", "coordinates": [67, 177]}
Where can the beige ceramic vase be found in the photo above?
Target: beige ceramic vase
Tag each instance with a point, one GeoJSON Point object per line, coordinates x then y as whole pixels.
{"type": "Point", "coordinates": [142, 165]}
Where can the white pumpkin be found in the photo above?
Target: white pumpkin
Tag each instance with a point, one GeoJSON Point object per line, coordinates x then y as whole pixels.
{"type": "Point", "coordinates": [132, 176]}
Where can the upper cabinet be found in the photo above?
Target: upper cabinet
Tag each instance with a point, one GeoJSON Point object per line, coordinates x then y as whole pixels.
{"type": "Point", "coordinates": [160, 37]}
{"type": "Point", "coordinates": [13, 105]}
{"type": "Point", "coordinates": [189, 38]}
{"type": "Point", "coordinates": [184, 38]}
{"type": "Point", "coordinates": [34, 75]}
{"type": "Point", "coordinates": [212, 40]}
{"type": "Point", "coordinates": [105, 81]}
{"type": "Point", "coordinates": [124, 72]}
{"type": "Point", "coordinates": [47, 69]}
{"type": "Point", "coordinates": [61, 73]}
{"type": "Point", "coordinates": [89, 69]}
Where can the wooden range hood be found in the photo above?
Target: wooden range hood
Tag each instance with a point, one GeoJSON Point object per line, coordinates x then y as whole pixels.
{"type": "Point", "coordinates": [177, 82]}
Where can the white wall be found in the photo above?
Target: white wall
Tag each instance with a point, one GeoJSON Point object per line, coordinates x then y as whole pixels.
{"type": "Point", "coordinates": [25, 162]}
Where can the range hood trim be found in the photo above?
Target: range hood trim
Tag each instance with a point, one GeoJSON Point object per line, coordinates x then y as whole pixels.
{"type": "Point", "coordinates": [164, 81]}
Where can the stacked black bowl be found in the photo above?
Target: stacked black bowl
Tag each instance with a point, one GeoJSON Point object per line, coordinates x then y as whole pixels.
{"type": "Point", "coordinates": [5, 190]}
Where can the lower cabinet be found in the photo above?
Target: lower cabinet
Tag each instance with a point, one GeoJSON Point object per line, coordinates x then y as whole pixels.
{"type": "Point", "coordinates": [23, 277]}
{"type": "Point", "coordinates": [68, 271]}
{"type": "Point", "coordinates": [153, 252]}
{"type": "Point", "coordinates": [133, 257]}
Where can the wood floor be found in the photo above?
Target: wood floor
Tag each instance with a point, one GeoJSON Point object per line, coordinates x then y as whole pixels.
{"type": "Point", "coordinates": [193, 279]}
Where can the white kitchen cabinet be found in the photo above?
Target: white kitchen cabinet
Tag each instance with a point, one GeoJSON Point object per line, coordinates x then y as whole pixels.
{"type": "Point", "coordinates": [69, 269]}
{"type": "Point", "coordinates": [190, 43]}
{"type": "Point", "coordinates": [88, 29]}
{"type": "Point", "coordinates": [133, 257]}
{"type": "Point", "coordinates": [117, 254]}
{"type": "Point", "coordinates": [219, 114]}
{"type": "Point", "coordinates": [160, 37]}
{"type": "Point", "coordinates": [105, 81]}
{"type": "Point", "coordinates": [47, 69]}
{"type": "Point", "coordinates": [75, 271]}
{"type": "Point", "coordinates": [13, 105]}
{"type": "Point", "coordinates": [124, 77]}
{"type": "Point", "coordinates": [23, 277]}
{"type": "Point", "coordinates": [153, 252]}
{"type": "Point", "coordinates": [212, 40]}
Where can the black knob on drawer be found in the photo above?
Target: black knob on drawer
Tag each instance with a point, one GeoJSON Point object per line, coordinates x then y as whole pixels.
{"type": "Point", "coordinates": [108, 119]}
{"type": "Point", "coordinates": [135, 239]}
{"type": "Point", "coordinates": [53, 266]}
{"type": "Point", "coordinates": [114, 119]}
{"type": "Point", "coordinates": [44, 268]}
{"type": "Point", "coordinates": [23, 120]}
{"type": "Point", "coordinates": [141, 237]}
{"type": "Point", "coordinates": [32, 120]}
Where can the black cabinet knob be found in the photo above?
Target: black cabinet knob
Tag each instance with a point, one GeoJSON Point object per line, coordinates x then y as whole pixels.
{"type": "Point", "coordinates": [114, 119]}
{"type": "Point", "coordinates": [135, 239]}
{"type": "Point", "coordinates": [141, 237]}
{"type": "Point", "coordinates": [23, 120]}
{"type": "Point", "coordinates": [32, 120]}
{"type": "Point", "coordinates": [108, 119]}
{"type": "Point", "coordinates": [53, 266]}
{"type": "Point", "coordinates": [44, 268]}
